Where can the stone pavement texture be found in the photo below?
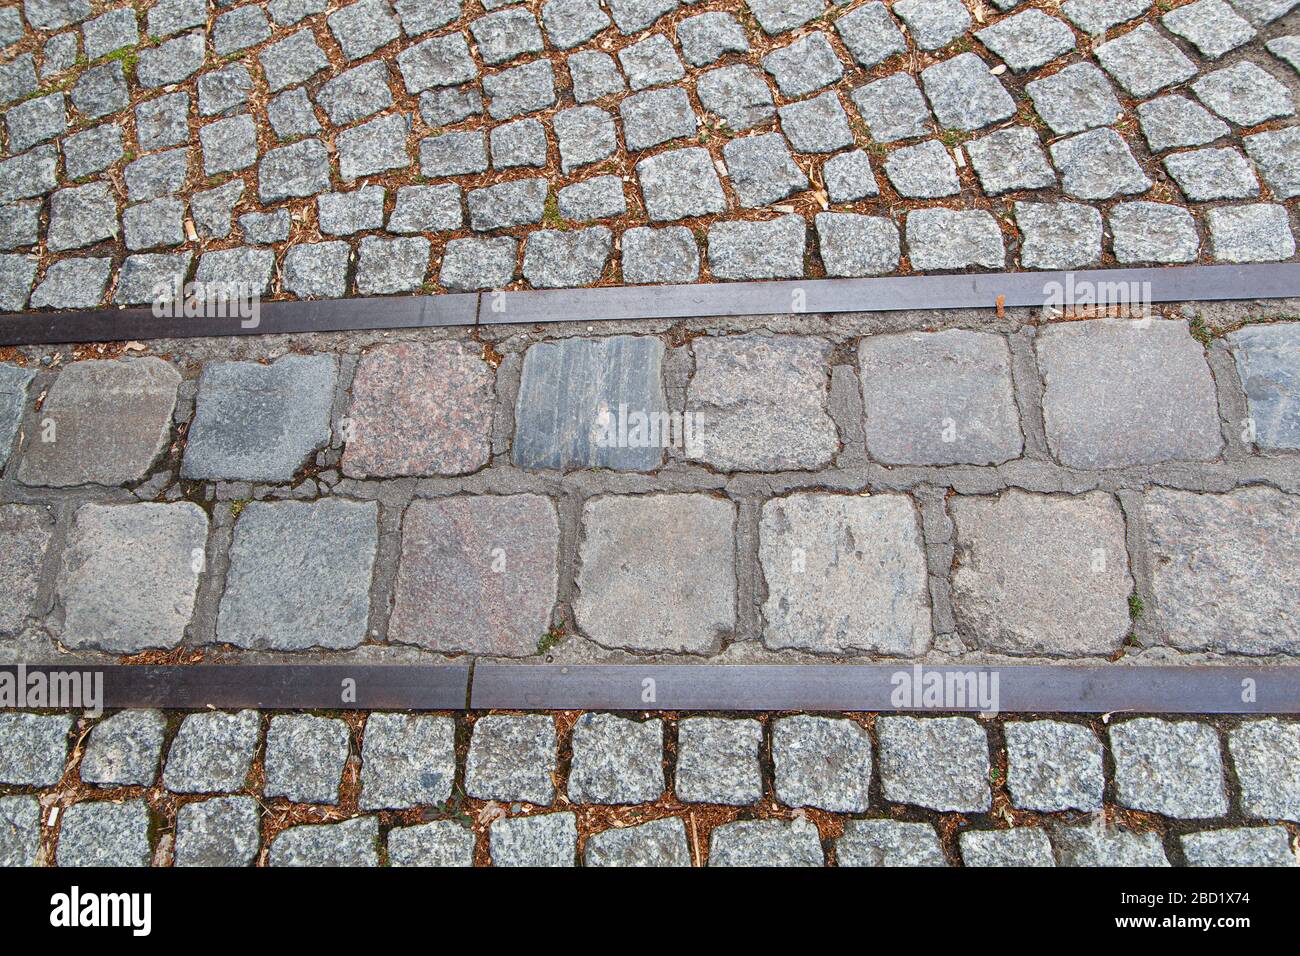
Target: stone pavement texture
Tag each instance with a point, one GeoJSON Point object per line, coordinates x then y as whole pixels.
{"type": "Point", "coordinates": [600, 789]}
{"type": "Point", "coordinates": [376, 148]}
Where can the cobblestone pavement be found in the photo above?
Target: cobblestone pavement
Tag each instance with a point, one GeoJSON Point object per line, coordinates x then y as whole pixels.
{"type": "Point", "coordinates": [627, 790]}
{"type": "Point", "coordinates": [928, 486]}
{"type": "Point", "coordinates": [319, 148]}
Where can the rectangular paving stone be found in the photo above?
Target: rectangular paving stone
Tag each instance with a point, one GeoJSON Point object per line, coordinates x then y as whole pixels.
{"type": "Point", "coordinates": [1017, 847]}
{"type": "Point", "coordinates": [1060, 236]}
{"type": "Point", "coordinates": [662, 255]}
{"type": "Point", "coordinates": [342, 214]}
{"type": "Point", "coordinates": [317, 270]}
{"type": "Point", "coordinates": [923, 171]}
{"type": "Point", "coordinates": [933, 23]}
{"type": "Point", "coordinates": [1168, 767]}
{"type": "Point", "coordinates": [680, 184]}
{"type": "Point", "coordinates": [103, 833]}
{"type": "Point", "coordinates": [124, 749]}
{"type": "Point", "coordinates": [1268, 364]}
{"type": "Point", "coordinates": [659, 843]}
{"type": "Point", "coordinates": [35, 749]}
{"type": "Point", "coordinates": [560, 259]}
{"type": "Point", "coordinates": [937, 762]}
{"type": "Point", "coordinates": [759, 403]}
{"type": "Point", "coordinates": [356, 94]}
{"type": "Point", "coordinates": [519, 202]}
{"type": "Point", "coordinates": [351, 843]}
{"type": "Point", "coordinates": [594, 74]}
{"type": "Point", "coordinates": [72, 284]}
{"type": "Point", "coordinates": [737, 94]}
{"type": "Point", "coordinates": [520, 89]}
{"type": "Point", "coordinates": [453, 154]}
{"type": "Point", "coordinates": [390, 266]}
{"type": "Point", "coordinates": [81, 216]}
{"type": "Point", "coordinates": [1239, 846]}
{"type": "Point", "coordinates": [1041, 575]}
{"type": "Point", "coordinates": [512, 758]}
{"type": "Point", "coordinates": [224, 831]}
{"type": "Point", "coordinates": [472, 264]}
{"type": "Point", "coordinates": [616, 760]}
{"type": "Point", "coordinates": [374, 147]}
{"type": "Point", "coordinates": [844, 575]}
{"type": "Point", "coordinates": [260, 422]}
{"type": "Point", "coordinates": [752, 843]}
{"type": "Point", "coordinates": [1053, 765]}
{"type": "Point", "coordinates": [14, 380]}
{"type": "Point", "coordinates": [224, 91]}
{"type": "Point", "coordinates": [854, 245]}
{"type": "Point", "coordinates": [1152, 232]}
{"type": "Point", "coordinates": [683, 542]}
{"type": "Point", "coordinates": [1221, 569]}
{"type": "Point", "coordinates": [1266, 757]}
{"type": "Point", "coordinates": [943, 239]}
{"type": "Point", "coordinates": [762, 172]}
{"type": "Point", "coordinates": [1259, 232]}
{"type": "Point", "coordinates": [477, 574]}
{"type": "Point", "coordinates": [1100, 844]}
{"type": "Point", "coordinates": [102, 423]}
{"type": "Point", "coordinates": [25, 533]}
{"type": "Point", "coordinates": [406, 761]}
{"type": "Point", "coordinates": [438, 61]}
{"type": "Point", "coordinates": [173, 61]}
{"type": "Point", "coordinates": [362, 28]}
{"type": "Point", "coordinates": [1119, 393]}
{"type": "Point", "coordinates": [888, 843]}
{"type": "Point", "coordinates": [893, 108]}
{"type": "Point", "coordinates": [772, 249]}
{"type": "Point", "coordinates": [212, 752]}
{"type": "Point", "coordinates": [300, 575]}
{"type": "Point", "coordinates": [822, 762]}
{"type": "Point", "coordinates": [870, 34]}
{"type": "Point", "coordinates": [427, 209]}
{"type": "Point", "coordinates": [305, 756]}
{"type": "Point", "coordinates": [20, 831]}
{"type": "Point", "coordinates": [549, 839]}
{"type": "Point", "coordinates": [717, 761]}
{"type": "Point", "coordinates": [441, 843]}
{"type": "Point", "coordinates": [965, 95]}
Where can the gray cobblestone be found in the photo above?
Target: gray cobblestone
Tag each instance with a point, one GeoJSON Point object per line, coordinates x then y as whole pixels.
{"type": "Point", "coordinates": [212, 753]}
{"type": "Point", "coordinates": [937, 762]}
{"type": "Point", "coordinates": [512, 759]}
{"type": "Point", "coordinates": [124, 750]}
{"type": "Point", "coordinates": [305, 756]}
{"type": "Point", "coordinates": [406, 761]}
{"type": "Point", "coordinates": [1168, 767]}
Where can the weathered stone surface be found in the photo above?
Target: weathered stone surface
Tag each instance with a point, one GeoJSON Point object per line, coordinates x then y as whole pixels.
{"type": "Point", "coordinates": [1144, 62]}
{"type": "Point", "coordinates": [805, 66]}
{"type": "Point", "coordinates": [519, 90]}
{"type": "Point", "coordinates": [936, 762]}
{"type": "Point", "coordinates": [1260, 232]}
{"type": "Point", "coordinates": [156, 224]}
{"type": "Point", "coordinates": [598, 198]}
{"type": "Point", "coordinates": [130, 575]}
{"type": "Point", "coordinates": [572, 22]}
{"type": "Point", "coordinates": [679, 184]}
{"type": "Point", "coordinates": [773, 249]}
{"type": "Point", "coordinates": [87, 153]}
{"type": "Point", "coordinates": [585, 135]}
{"type": "Point", "coordinates": [778, 16]}
{"type": "Point", "coordinates": [1244, 94]}
{"type": "Point", "coordinates": [1241, 846]}
{"type": "Point", "coordinates": [13, 399]}
{"type": "Point", "coordinates": [933, 23]}
{"type": "Point", "coordinates": [1168, 767]}
{"type": "Point", "coordinates": [1226, 545]}
{"type": "Point", "coordinates": [761, 170]}
{"type": "Point", "coordinates": [244, 269]}
{"type": "Point", "coordinates": [854, 245]}
{"type": "Point", "coordinates": [373, 147]}
{"type": "Point", "coordinates": [362, 28]}
{"type": "Point", "coordinates": [1060, 236]}
{"type": "Point", "coordinates": [939, 398]}
{"type": "Point", "coordinates": [260, 422]}
{"type": "Point", "coordinates": [657, 843]}
{"type": "Point", "coordinates": [124, 750]}
{"type": "Point", "coordinates": [893, 108]}
{"type": "Point", "coordinates": [1021, 846]}
{"type": "Point", "coordinates": [1212, 26]}
{"type": "Point", "coordinates": [356, 94]}
{"type": "Point", "coordinates": [20, 831]}
{"type": "Point", "coordinates": [518, 202]}
{"type": "Point", "coordinates": [923, 171]}
{"type": "Point", "coordinates": [291, 115]}
{"type": "Point", "coordinates": [593, 403]}
{"type": "Point", "coordinates": [305, 757]}
{"type": "Point", "coordinates": [506, 34]}
{"type": "Point", "coordinates": [471, 264]}
{"type": "Point", "coordinates": [438, 61]}
{"type": "Point", "coordinates": [1270, 374]}
{"type": "Point", "coordinates": [390, 266]}
{"type": "Point", "coordinates": [1206, 174]}
{"type": "Point", "coordinates": [870, 34]}
{"type": "Point", "coordinates": [1028, 40]}
{"type": "Point", "coordinates": [848, 177]}
{"type": "Point", "coordinates": [1075, 99]}
{"type": "Point", "coordinates": [265, 229]}
{"type": "Point", "coordinates": [140, 276]}
{"type": "Point", "coordinates": [1098, 165]}
{"type": "Point", "coordinates": [1099, 844]}
{"type": "Point", "coordinates": [239, 29]}
{"type": "Point", "coordinates": [822, 762]}
{"type": "Point", "coordinates": [660, 255]}
{"type": "Point", "coordinates": [766, 843]}
{"type": "Point", "coordinates": [104, 834]}
{"type": "Point", "coordinates": [888, 843]}
{"type": "Point", "coordinates": [53, 14]}
{"type": "Point", "coordinates": [427, 209]}
{"type": "Point", "coordinates": [1052, 765]}
{"type": "Point", "coordinates": [561, 259]}
{"type": "Point", "coordinates": [717, 761]}
{"type": "Point", "coordinates": [172, 62]}
{"type": "Point", "coordinates": [844, 575]}
{"type": "Point", "coordinates": [35, 748]}
{"type": "Point", "coordinates": [738, 94]}
{"type": "Point", "coordinates": [965, 95]}
{"type": "Point", "coordinates": [227, 90]}
{"type": "Point", "coordinates": [547, 840]}
{"type": "Point", "coordinates": [81, 216]}
{"type": "Point", "coordinates": [16, 275]}
{"type": "Point", "coordinates": [759, 403]}
{"type": "Point", "coordinates": [681, 541]}
{"type": "Point", "coordinates": [456, 153]}
{"type": "Point", "coordinates": [1120, 393]}
{"type": "Point", "coordinates": [1152, 232]}
{"type": "Point", "coordinates": [350, 843]}
{"type": "Point", "coordinates": [31, 174]}
{"type": "Point", "coordinates": [817, 125]}
{"type": "Point", "coordinates": [616, 760]}
{"type": "Point", "coordinates": [1039, 575]}
{"type": "Point", "coordinates": [72, 284]}
{"type": "Point", "coordinates": [441, 843]}
{"type": "Point", "coordinates": [1276, 155]}
{"type": "Point", "coordinates": [300, 575]}
{"type": "Point", "coordinates": [406, 761]}
{"type": "Point", "coordinates": [708, 37]}
{"type": "Point", "coordinates": [939, 238]}
{"type": "Point", "coordinates": [212, 752]}
{"type": "Point", "coordinates": [317, 270]}
{"type": "Point", "coordinates": [1176, 121]}
{"type": "Point", "coordinates": [299, 169]}
{"type": "Point", "coordinates": [25, 533]}
{"type": "Point", "coordinates": [651, 61]}
{"type": "Point", "coordinates": [224, 831]}
{"type": "Point", "coordinates": [512, 759]}
{"type": "Point", "coordinates": [1010, 159]}
{"type": "Point", "coordinates": [521, 143]}
{"type": "Point", "coordinates": [594, 75]}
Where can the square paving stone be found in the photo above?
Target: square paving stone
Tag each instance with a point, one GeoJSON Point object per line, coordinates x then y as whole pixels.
{"type": "Point", "coordinates": [464, 555]}
{"type": "Point", "coordinates": [141, 275]}
{"type": "Point", "coordinates": [35, 749]}
{"type": "Point", "coordinates": [28, 175]}
{"type": "Point", "coordinates": [680, 184]}
{"type": "Point", "coordinates": [660, 255]}
{"type": "Point", "coordinates": [102, 423]}
{"type": "Point", "coordinates": [104, 834]}
{"type": "Point", "coordinates": [1168, 767]}
{"type": "Point", "coordinates": [163, 122]}
{"type": "Point", "coordinates": [112, 30]}
{"type": "Point", "coordinates": [965, 95]}
{"type": "Point", "coordinates": [1010, 160]}
{"type": "Point", "coordinates": [933, 23]}
{"type": "Point", "coordinates": [266, 228]}
{"type": "Point", "coordinates": [708, 37]}
{"type": "Point", "coordinates": [300, 575]}
{"type": "Point", "coordinates": [1075, 99]}
{"type": "Point", "coordinates": [893, 108]}
{"type": "Point", "coordinates": [20, 223]}
{"type": "Point", "coordinates": [101, 90]}
{"type": "Point", "coordinates": [657, 843]}
{"type": "Point", "coordinates": [1240, 846]}
{"type": "Point", "coordinates": [547, 840]}
{"type": "Point", "coordinates": [759, 403]}
{"type": "Point", "coordinates": [559, 259]}
{"type": "Point", "coordinates": [805, 66]}
{"type": "Point", "coordinates": [245, 269]}
{"type": "Point", "coordinates": [291, 115]}
{"type": "Point", "coordinates": [92, 151]}
{"type": "Point", "coordinates": [224, 831]}
{"type": "Point", "coordinates": [1212, 26]}
{"type": "Point", "coordinates": [570, 23]}
{"type": "Point", "coordinates": [212, 209]}
{"type": "Point", "coordinates": [212, 752]}
{"type": "Point", "coordinates": [352, 843]}
{"type": "Point", "coordinates": [470, 264]}
{"type": "Point", "coordinates": [854, 245]}
{"type": "Point", "coordinates": [1052, 765]}
{"type": "Point", "coordinates": [1098, 165]}
{"type": "Point", "coordinates": [848, 177]}
{"type": "Point", "coordinates": [822, 762]}
{"type": "Point", "coordinates": [168, 17]}
{"type": "Point", "coordinates": [1021, 846]}
{"type": "Point", "coordinates": [20, 831]}
{"type": "Point", "coordinates": [779, 16]}
{"type": "Point", "coordinates": [923, 171]}
{"type": "Point", "coordinates": [682, 541]}
{"type": "Point", "coordinates": [752, 843]}
{"type": "Point", "coordinates": [651, 62]}
{"type": "Point", "coordinates": [506, 34]}
{"type": "Point", "coordinates": [154, 225]}
{"type": "Point", "coordinates": [1276, 155]}
{"type": "Point", "coordinates": [594, 75]}
{"type": "Point", "coordinates": [521, 143]}
{"type": "Point", "coordinates": [406, 761]}
{"type": "Point", "coordinates": [1019, 589]}
{"type": "Point", "coordinates": [512, 759]}
{"type": "Point", "coordinates": [342, 214]}
{"type": "Point", "coordinates": [16, 275]}
{"type": "Point", "coordinates": [1143, 62]}
{"type": "Point", "coordinates": [869, 33]}
{"type": "Point", "coordinates": [438, 61]}
{"type": "Point", "coordinates": [355, 94]}
{"type": "Point", "coordinates": [1266, 756]}
{"type": "Point", "coordinates": [299, 169]}
{"type": "Point", "coordinates": [598, 198]}
{"type": "Point", "coordinates": [1152, 232]}
{"type": "Point", "coordinates": [374, 147]}
{"type": "Point", "coordinates": [1028, 40]}
{"type": "Point", "coordinates": [35, 121]}
{"type": "Point", "coordinates": [585, 134]}
{"type": "Point", "coordinates": [717, 761]}
{"type": "Point", "coordinates": [239, 29]}
{"type": "Point", "coordinates": [738, 94]}
{"type": "Point", "coordinates": [224, 91]}
{"type": "Point", "coordinates": [260, 422]}
{"type": "Point", "coordinates": [761, 169]}
{"type": "Point", "coordinates": [1100, 844]}
{"type": "Point", "coordinates": [1260, 232]}
{"type": "Point", "coordinates": [774, 249]}
{"type": "Point", "coordinates": [17, 77]}
{"type": "Point", "coordinates": [1063, 235]}
{"type": "Point", "coordinates": [844, 575]}
{"type": "Point", "coordinates": [72, 284]}
{"type": "Point", "coordinates": [1120, 393]}
{"type": "Point", "coordinates": [441, 843]}
{"type": "Point", "coordinates": [305, 756]}
{"type": "Point", "coordinates": [654, 117]}
{"type": "Point", "coordinates": [1244, 94]}
{"type": "Point", "coordinates": [519, 90]}
{"type": "Point", "coordinates": [1216, 582]}
{"type": "Point", "coordinates": [25, 533]}
{"type": "Point", "coordinates": [174, 61]}
{"type": "Point", "coordinates": [1176, 121]}
{"type": "Point", "coordinates": [124, 750]}
{"type": "Point", "coordinates": [939, 398]}
{"type": "Point", "coordinates": [633, 16]}
{"type": "Point", "coordinates": [941, 238]}
{"type": "Point", "coordinates": [427, 209]}
{"type": "Point", "coordinates": [1095, 17]}
{"type": "Point", "coordinates": [362, 28]}
{"type": "Point", "coordinates": [1206, 174]}
{"type": "Point", "coordinates": [316, 270]}
{"type": "Point", "coordinates": [13, 399]}
{"type": "Point", "coordinates": [1267, 364]}
{"type": "Point", "coordinates": [81, 216]}
{"type": "Point", "coordinates": [937, 762]}
{"type": "Point", "coordinates": [616, 760]}
{"type": "Point", "coordinates": [453, 154]}
{"type": "Point", "coordinates": [888, 843]}
{"type": "Point", "coordinates": [519, 202]}
{"type": "Point", "coordinates": [1263, 12]}
{"type": "Point", "coordinates": [818, 125]}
